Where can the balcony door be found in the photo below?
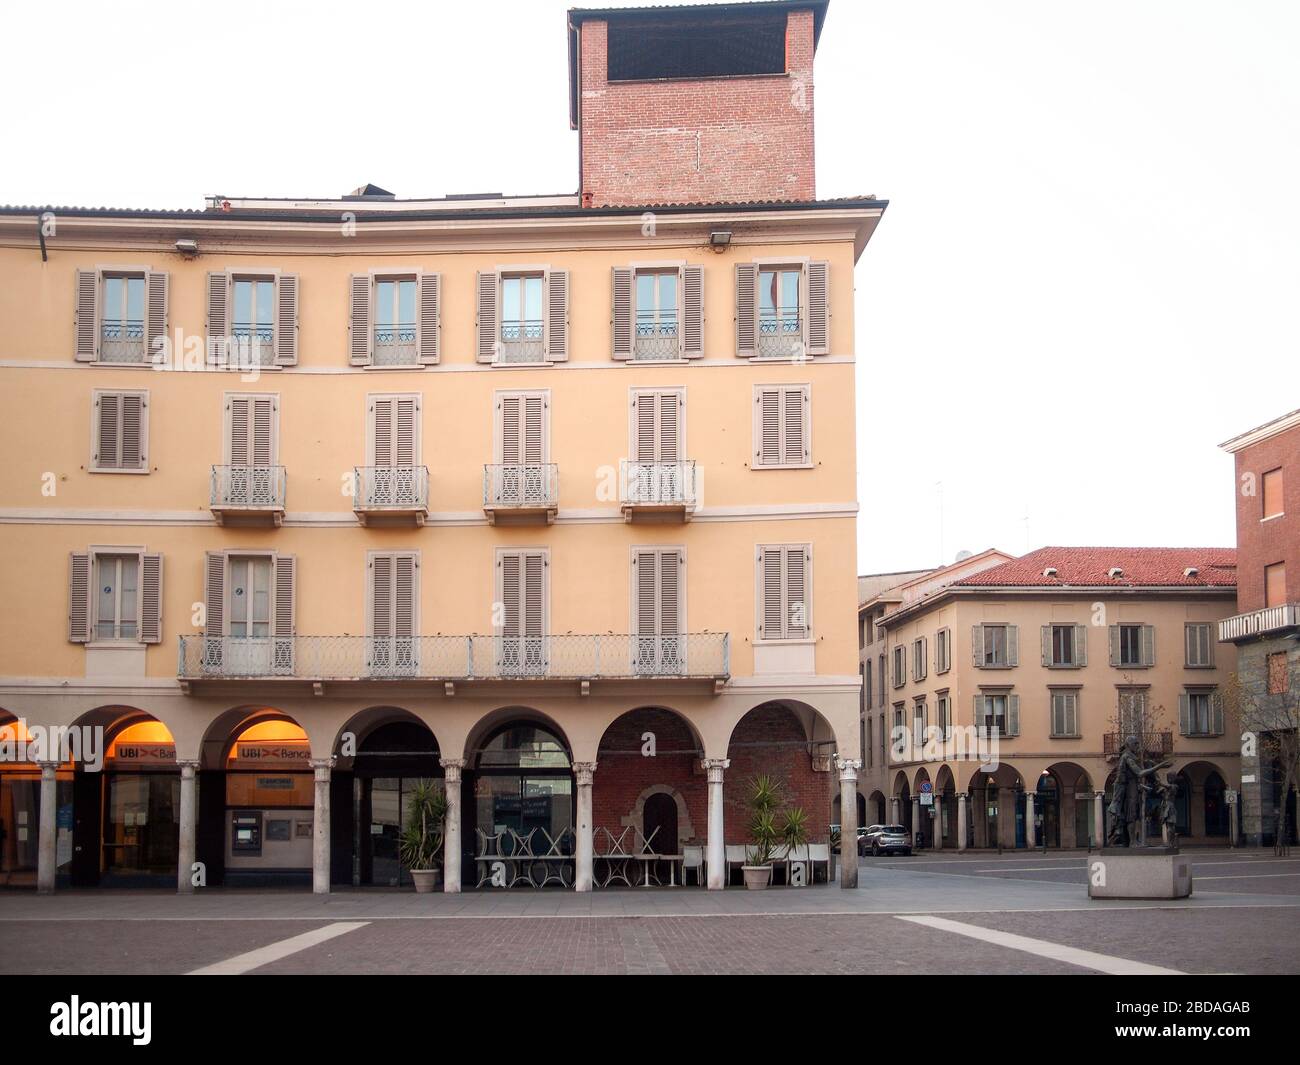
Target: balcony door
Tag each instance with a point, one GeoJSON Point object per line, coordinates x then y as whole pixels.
{"type": "Point", "coordinates": [392, 645]}
{"type": "Point", "coordinates": [251, 446]}
{"type": "Point", "coordinates": [392, 455]}
{"type": "Point", "coordinates": [658, 646]}
{"type": "Point", "coordinates": [250, 609]}
{"type": "Point", "coordinates": [655, 475]}
{"type": "Point", "coordinates": [521, 593]}
{"type": "Point", "coordinates": [522, 449]}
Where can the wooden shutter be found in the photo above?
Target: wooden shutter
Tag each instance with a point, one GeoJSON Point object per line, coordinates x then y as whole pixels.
{"type": "Point", "coordinates": [768, 451]}
{"type": "Point", "coordinates": [978, 711]}
{"type": "Point", "coordinates": [1013, 645]}
{"type": "Point", "coordinates": [238, 442]}
{"type": "Point", "coordinates": [622, 314]}
{"type": "Point", "coordinates": [286, 320]}
{"type": "Point", "coordinates": [534, 588]}
{"type": "Point", "coordinates": [109, 407]}
{"type": "Point", "coordinates": [360, 333]}
{"type": "Point", "coordinates": [218, 317]}
{"type": "Point", "coordinates": [155, 316]}
{"type": "Point", "coordinates": [977, 645]}
{"type": "Point", "coordinates": [430, 286]}
{"type": "Point", "coordinates": [1013, 715]}
{"type": "Point", "coordinates": [534, 430]}
{"type": "Point", "coordinates": [644, 409]}
{"type": "Point", "coordinates": [1184, 714]}
{"type": "Point", "coordinates": [1047, 645]}
{"type": "Point", "coordinates": [773, 608]}
{"type": "Point", "coordinates": [1114, 645]}
{"type": "Point", "coordinates": [511, 437]}
{"type": "Point", "coordinates": [404, 595]}
{"type": "Point", "coordinates": [285, 595]}
{"type": "Point", "coordinates": [488, 300]}
{"type": "Point", "coordinates": [669, 427]}
{"type": "Point", "coordinates": [658, 427]}
{"type": "Point", "coordinates": [86, 346]}
{"type": "Point", "coordinates": [1081, 645]}
{"type": "Point", "coordinates": [647, 580]}
{"type": "Point", "coordinates": [79, 598]}
{"type": "Point", "coordinates": [263, 435]}
{"type": "Point", "coordinates": [381, 596]}
{"type": "Point", "coordinates": [670, 593]}
{"type": "Point", "coordinates": [1216, 713]}
{"type": "Point", "coordinates": [151, 598]}
{"type": "Point", "coordinates": [746, 310]}
{"type": "Point", "coordinates": [509, 593]}
{"type": "Point", "coordinates": [405, 434]}
{"type": "Point", "coordinates": [817, 329]}
{"type": "Point", "coordinates": [557, 315]}
{"type": "Point", "coordinates": [796, 593]}
{"type": "Point", "coordinates": [132, 455]}
{"type": "Point", "coordinates": [692, 290]}
{"type": "Point", "coordinates": [1148, 645]}
{"type": "Point", "coordinates": [794, 439]}
{"type": "Point", "coordinates": [381, 432]}
{"type": "Point", "coordinates": [214, 593]}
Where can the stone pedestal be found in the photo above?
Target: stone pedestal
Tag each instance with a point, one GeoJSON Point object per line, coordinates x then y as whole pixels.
{"type": "Point", "coordinates": [1139, 873]}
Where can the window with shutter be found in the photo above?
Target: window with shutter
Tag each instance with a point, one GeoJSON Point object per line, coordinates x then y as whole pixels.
{"type": "Point", "coordinates": [86, 329]}
{"type": "Point", "coordinates": [122, 318]}
{"type": "Point", "coordinates": [394, 476]}
{"type": "Point", "coordinates": [781, 312]}
{"type": "Point", "coordinates": [522, 595]}
{"type": "Point", "coordinates": [1272, 493]}
{"type": "Point", "coordinates": [1065, 706]}
{"type": "Point", "coordinates": [157, 286]}
{"type": "Point", "coordinates": [150, 598]}
{"type": "Point", "coordinates": [252, 443]}
{"type": "Point", "coordinates": [119, 433]}
{"type": "Point", "coordinates": [1199, 645]}
{"type": "Point", "coordinates": [488, 300]}
{"type": "Point", "coordinates": [557, 315]}
{"type": "Point", "coordinates": [692, 286]}
{"type": "Point", "coordinates": [255, 317]}
{"type": "Point", "coordinates": [656, 333]}
{"type": "Point", "coordinates": [817, 330]}
{"type": "Point", "coordinates": [285, 626]}
{"type": "Point", "coordinates": [658, 602]}
{"type": "Point", "coordinates": [523, 445]}
{"type": "Point", "coordinates": [784, 591]}
{"type": "Point", "coordinates": [782, 425]}
{"type": "Point", "coordinates": [395, 317]}
{"type": "Point", "coordinates": [286, 320]}
{"type": "Point", "coordinates": [943, 651]}
{"type": "Point", "coordinates": [394, 614]}
{"type": "Point", "coordinates": [430, 320]}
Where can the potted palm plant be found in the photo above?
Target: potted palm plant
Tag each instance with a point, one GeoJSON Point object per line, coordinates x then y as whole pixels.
{"type": "Point", "coordinates": [420, 846]}
{"type": "Point", "coordinates": [771, 829]}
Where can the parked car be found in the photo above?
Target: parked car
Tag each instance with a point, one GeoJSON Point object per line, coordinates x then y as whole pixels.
{"type": "Point", "coordinates": [885, 839]}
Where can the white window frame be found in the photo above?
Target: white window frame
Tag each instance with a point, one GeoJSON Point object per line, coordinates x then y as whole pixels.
{"type": "Point", "coordinates": [227, 442]}
{"type": "Point", "coordinates": [943, 650]}
{"type": "Point", "coordinates": [235, 275]}
{"type": "Point", "coordinates": [799, 263]}
{"type": "Point", "coordinates": [96, 396]}
{"type": "Point", "coordinates": [101, 299]}
{"type": "Point", "coordinates": [112, 551]}
{"type": "Point", "coordinates": [675, 268]}
{"type": "Point", "coordinates": [1207, 626]}
{"type": "Point", "coordinates": [1071, 693]}
{"type": "Point", "coordinates": [377, 277]}
{"type": "Point", "coordinates": [809, 562]}
{"type": "Point", "coordinates": [228, 584]}
{"type": "Point", "coordinates": [756, 444]}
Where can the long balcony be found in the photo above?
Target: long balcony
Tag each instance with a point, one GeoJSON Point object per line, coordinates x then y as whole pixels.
{"type": "Point", "coordinates": [449, 660]}
{"type": "Point", "coordinates": [391, 495]}
{"type": "Point", "coordinates": [658, 491]}
{"type": "Point", "coordinates": [521, 493]}
{"type": "Point", "coordinates": [248, 495]}
{"type": "Point", "coordinates": [1156, 745]}
{"type": "Point", "coordinates": [1271, 621]}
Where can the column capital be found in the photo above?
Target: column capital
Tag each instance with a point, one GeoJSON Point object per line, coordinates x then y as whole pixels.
{"type": "Point", "coordinates": [584, 771]}
{"type": "Point", "coordinates": [48, 765]}
{"type": "Point", "coordinates": [451, 768]}
{"type": "Point", "coordinates": [849, 768]}
{"type": "Point", "coordinates": [188, 765]}
{"type": "Point", "coordinates": [714, 767]}
{"type": "Point", "coordinates": [322, 766]}
{"type": "Point", "coordinates": [962, 798]}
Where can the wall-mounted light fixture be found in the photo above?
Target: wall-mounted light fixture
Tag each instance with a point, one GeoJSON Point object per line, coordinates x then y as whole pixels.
{"type": "Point", "coordinates": [188, 249]}
{"type": "Point", "coordinates": [720, 240]}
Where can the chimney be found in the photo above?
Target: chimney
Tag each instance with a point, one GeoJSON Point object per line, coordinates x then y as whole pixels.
{"type": "Point", "coordinates": [711, 104]}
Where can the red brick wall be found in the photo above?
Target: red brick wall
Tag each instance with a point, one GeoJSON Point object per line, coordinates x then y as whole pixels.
{"type": "Point", "coordinates": [1261, 543]}
{"type": "Point", "coordinates": [698, 140]}
{"type": "Point", "coordinates": [770, 740]}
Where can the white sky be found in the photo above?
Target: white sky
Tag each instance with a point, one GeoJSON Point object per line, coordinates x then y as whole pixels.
{"type": "Point", "coordinates": [1085, 281]}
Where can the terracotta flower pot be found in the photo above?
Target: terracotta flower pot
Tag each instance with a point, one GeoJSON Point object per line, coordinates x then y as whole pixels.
{"type": "Point", "coordinates": [757, 877]}
{"type": "Point", "coordinates": [426, 880]}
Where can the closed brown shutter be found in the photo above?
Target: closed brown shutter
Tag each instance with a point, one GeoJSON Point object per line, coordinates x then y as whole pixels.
{"type": "Point", "coordinates": [404, 592]}
{"type": "Point", "coordinates": [772, 626]}
{"type": "Point", "coordinates": [86, 347]}
{"type": "Point", "coordinates": [768, 452]}
{"type": "Point", "coordinates": [429, 341]}
{"type": "Point", "coordinates": [622, 320]}
{"type": "Point", "coordinates": [218, 317]}
{"type": "Point", "coordinates": [360, 334]}
{"type": "Point", "coordinates": [488, 301]}
{"type": "Point", "coordinates": [286, 320]}
{"type": "Point", "coordinates": [214, 594]}
{"type": "Point", "coordinates": [79, 598]}
{"type": "Point", "coordinates": [692, 285]}
{"type": "Point", "coordinates": [381, 596]}
{"type": "Point", "coordinates": [110, 419]}
{"type": "Point", "coordinates": [239, 451]}
{"type": "Point", "coordinates": [818, 328]}
{"type": "Point", "coordinates": [155, 317]}
{"type": "Point", "coordinates": [557, 315]}
{"type": "Point", "coordinates": [151, 599]}
{"type": "Point", "coordinates": [746, 310]}
{"type": "Point", "coordinates": [132, 455]}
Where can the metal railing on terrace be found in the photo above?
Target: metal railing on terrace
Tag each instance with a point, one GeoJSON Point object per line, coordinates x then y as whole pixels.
{"type": "Point", "coordinates": [255, 343]}
{"type": "Point", "coordinates": [656, 341]}
{"type": "Point", "coordinates": [658, 484]}
{"type": "Point", "coordinates": [121, 340]}
{"type": "Point", "coordinates": [395, 345]}
{"type": "Point", "coordinates": [390, 487]}
{"type": "Point", "coordinates": [698, 655]}
{"type": "Point", "coordinates": [523, 485]}
{"type": "Point", "coordinates": [780, 333]}
{"type": "Point", "coordinates": [1260, 622]}
{"type": "Point", "coordinates": [522, 341]}
{"type": "Point", "coordinates": [234, 487]}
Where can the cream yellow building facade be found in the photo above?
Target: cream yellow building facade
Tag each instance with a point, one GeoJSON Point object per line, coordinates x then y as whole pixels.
{"type": "Point", "coordinates": [461, 484]}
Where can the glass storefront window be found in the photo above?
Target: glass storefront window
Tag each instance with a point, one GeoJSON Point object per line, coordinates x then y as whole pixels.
{"type": "Point", "coordinates": [142, 823]}
{"type": "Point", "coordinates": [524, 747]}
{"type": "Point", "coordinates": [20, 821]}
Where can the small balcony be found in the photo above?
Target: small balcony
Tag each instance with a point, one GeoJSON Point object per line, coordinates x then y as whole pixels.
{"type": "Point", "coordinates": [658, 491]}
{"type": "Point", "coordinates": [780, 333]}
{"type": "Point", "coordinates": [1270, 622]}
{"type": "Point", "coordinates": [121, 341]}
{"type": "Point", "coordinates": [656, 341]}
{"type": "Point", "coordinates": [248, 495]}
{"type": "Point", "coordinates": [522, 343]}
{"type": "Point", "coordinates": [394, 345]}
{"type": "Point", "coordinates": [521, 493]}
{"type": "Point", "coordinates": [702, 656]}
{"type": "Point", "coordinates": [1156, 745]}
{"type": "Point", "coordinates": [391, 495]}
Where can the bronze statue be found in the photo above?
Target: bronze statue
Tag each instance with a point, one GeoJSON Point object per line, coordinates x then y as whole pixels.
{"type": "Point", "coordinates": [1127, 809]}
{"type": "Point", "coordinates": [1169, 807]}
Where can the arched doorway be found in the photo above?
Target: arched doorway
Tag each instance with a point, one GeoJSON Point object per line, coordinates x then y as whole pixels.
{"type": "Point", "coordinates": [20, 809]}
{"type": "Point", "coordinates": [1047, 811]}
{"type": "Point", "coordinates": [1216, 809]}
{"type": "Point", "coordinates": [520, 775]}
{"type": "Point", "coordinates": [659, 823]}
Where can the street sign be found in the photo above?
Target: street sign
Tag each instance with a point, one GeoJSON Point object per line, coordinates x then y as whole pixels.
{"type": "Point", "coordinates": [926, 787]}
{"type": "Point", "coordinates": [927, 799]}
{"type": "Point", "coordinates": [1230, 797]}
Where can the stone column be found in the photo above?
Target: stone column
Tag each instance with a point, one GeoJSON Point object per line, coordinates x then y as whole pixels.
{"type": "Point", "coordinates": [981, 822]}
{"type": "Point", "coordinates": [1030, 835]}
{"type": "Point", "coordinates": [895, 815]}
{"type": "Point", "coordinates": [189, 813]}
{"type": "Point", "coordinates": [47, 853]}
{"type": "Point", "coordinates": [320, 850]}
{"type": "Point", "coordinates": [717, 850]}
{"type": "Point", "coordinates": [1099, 819]}
{"type": "Point", "coordinates": [961, 820]}
{"type": "Point", "coordinates": [584, 860]}
{"type": "Point", "coordinates": [936, 815]}
{"type": "Point", "coordinates": [451, 856]}
{"type": "Point", "coordinates": [848, 822]}
{"type": "Point", "coordinates": [916, 816]}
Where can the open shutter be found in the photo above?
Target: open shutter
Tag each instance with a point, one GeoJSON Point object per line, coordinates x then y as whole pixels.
{"type": "Point", "coordinates": [692, 289]}
{"type": "Point", "coordinates": [1148, 645]}
{"type": "Point", "coordinates": [214, 597]}
{"type": "Point", "coordinates": [286, 320]}
{"type": "Point", "coordinates": [155, 317]}
{"type": "Point", "coordinates": [746, 310]}
{"type": "Point", "coordinates": [430, 296]}
{"type": "Point", "coordinates": [79, 598]}
{"type": "Point", "coordinates": [1013, 715]}
{"type": "Point", "coordinates": [360, 334]}
{"type": "Point", "coordinates": [1114, 645]}
{"type": "Point", "coordinates": [86, 347]}
{"type": "Point", "coordinates": [977, 645]}
{"type": "Point", "coordinates": [794, 443]}
{"type": "Point", "coordinates": [1047, 645]}
{"type": "Point", "coordinates": [978, 711]}
{"type": "Point", "coordinates": [772, 626]}
{"type": "Point", "coordinates": [1184, 714]}
{"type": "Point", "coordinates": [1216, 713]}
{"type": "Point", "coordinates": [1013, 645]}
{"type": "Point", "coordinates": [622, 320]}
{"type": "Point", "coordinates": [1081, 645]}
{"type": "Point", "coordinates": [110, 414]}
{"type": "Point", "coordinates": [218, 318]}
{"type": "Point", "coordinates": [151, 599]}
{"type": "Point", "coordinates": [488, 300]}
{"type": "Point", "coordinates": [404, 592]}
{"type": "Point", "coordinates": [796, 593]}
{"type": "Point", "coordinates": [817, 336]}
{"type": "Point", "coordinates": [557, 315]}
{"type": "Point", "coordinates": [768, 450]}
{"type": "Point", "coordinates": [285, 574]}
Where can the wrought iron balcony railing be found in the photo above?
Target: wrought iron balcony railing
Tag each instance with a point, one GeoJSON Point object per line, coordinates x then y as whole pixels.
{"type": "Point", "coordinates": [390, 488]}
{"type": "Point", "coordinates": [248, 490]}
{"type": "Point", "coordinates": [254, 343]}
{"type": "Point", "coordinates": [658, 484]}
{"type": "Point", "coordinates": [121, 340]}
{"type": "Point", "coordinates": [522, 341]}
{"type": "Point", "coordinates": [780, 333]}
{"type": "Point", "coordinates": [521, 486]}
{"type": "Point", "coordinates": [689, 656]}
{"type": "Point", "coordinates": [656, 341]}
{"type": "Point", "coordinates": [1154, 744]}
{"type": "Point", "coordinates": [1266, 622]}
{"type": "Point", "coordinates": [395, 345]}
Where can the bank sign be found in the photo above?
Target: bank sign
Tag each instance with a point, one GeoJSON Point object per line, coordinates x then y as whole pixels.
{"type": "Point", "coordinates": [277, 753]}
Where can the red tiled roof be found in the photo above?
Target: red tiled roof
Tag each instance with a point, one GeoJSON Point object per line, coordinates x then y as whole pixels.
{"type": "Point", "coordinates": [1143, 567]}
